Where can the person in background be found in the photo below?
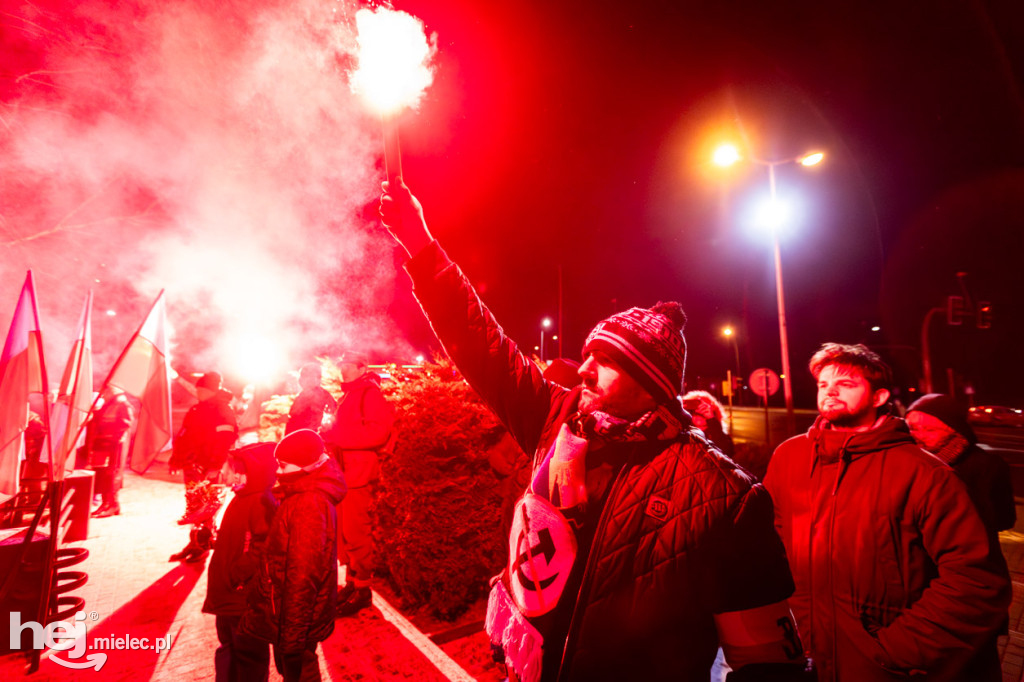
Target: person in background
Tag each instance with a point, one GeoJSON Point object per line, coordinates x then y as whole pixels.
{"type": "Point", "coordinates": [237, 555]}
{"type": "Point", "coordinates": [106, 440]}
{"type": "Point", "coordinates": [312, 402]}
{"type": "Point", "coordinates": [708, 416]}
{"type": "Point", "coordinates": [292, 604]}
{"type": "Point", "coordinates": [200, 449]}
{"type": "Point", "coordinates": [893, 569]}
{"type": "Point", "coordinates": [939, 425]}
{"type": "Point", "coordinates": [362, 426]}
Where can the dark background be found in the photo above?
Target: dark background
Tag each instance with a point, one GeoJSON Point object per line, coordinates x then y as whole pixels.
{"type": "Point", "coordinates": [563, 141]}
{"type": "Point", "coordinates": [576, 135]}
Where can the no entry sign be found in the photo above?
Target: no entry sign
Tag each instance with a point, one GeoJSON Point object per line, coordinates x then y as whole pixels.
{"type": "Point", "coordinates": [764, 382]}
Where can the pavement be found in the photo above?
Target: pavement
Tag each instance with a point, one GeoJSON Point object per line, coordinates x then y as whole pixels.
{"type": "Point", "coordinates": [133, 591]}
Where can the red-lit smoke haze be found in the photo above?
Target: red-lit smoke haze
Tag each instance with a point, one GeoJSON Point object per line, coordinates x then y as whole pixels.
{"type": "Point", "coordinates": [210, 148]}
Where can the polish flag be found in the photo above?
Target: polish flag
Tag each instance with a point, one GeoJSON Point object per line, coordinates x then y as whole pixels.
{"type": "Point", "coordinates": [75, 399]}
{"type": "Point", "coordinates": [22, 372]}
{"type": "Point", "coordinates": [144, 371]}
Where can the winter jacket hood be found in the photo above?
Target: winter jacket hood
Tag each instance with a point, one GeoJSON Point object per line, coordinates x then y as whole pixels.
{"type": "Point", "coordinates": [368, 377]}
{"type": "Point", "coordinates": [260, 467]}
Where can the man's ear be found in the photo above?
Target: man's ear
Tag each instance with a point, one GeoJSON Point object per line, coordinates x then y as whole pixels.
{"type": "Point", "coordinates": [881, 397]}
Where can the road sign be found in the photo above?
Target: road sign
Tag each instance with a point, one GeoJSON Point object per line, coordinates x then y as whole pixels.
{"type": "Point", "coordinates": [764, 382]}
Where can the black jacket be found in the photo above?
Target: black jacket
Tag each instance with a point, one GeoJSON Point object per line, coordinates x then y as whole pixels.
{"type": "Point", "coordinates": [683, 534]}
{"type": "Point", "coordinates": [292, 605]}
{"type": "Point", "coordinates": [242, 535]}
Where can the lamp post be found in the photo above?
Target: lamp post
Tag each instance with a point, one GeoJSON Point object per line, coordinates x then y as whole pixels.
{"type": "Point", "coordinates": [730, 333]}
{"type": "Point", "coordinates": [726, 155]}
{"type": "Point", "coordinates": [544, 324]}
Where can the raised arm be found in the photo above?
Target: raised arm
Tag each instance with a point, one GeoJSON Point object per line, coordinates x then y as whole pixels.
{"type": "Point", "coordinates": [489, 360]}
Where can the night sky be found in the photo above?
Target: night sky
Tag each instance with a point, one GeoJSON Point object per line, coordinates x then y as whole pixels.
{"type": "Point", "coordinates": [575, 137]}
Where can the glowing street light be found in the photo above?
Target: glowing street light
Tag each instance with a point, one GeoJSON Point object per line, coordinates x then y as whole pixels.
{"type": "Point", "coordinates": [774, 216]}
{"type": "Point", "coordinates": [730, 333]}
{"type": "Point", "coordinates": [725, 155]}
{"type": "Point", "coordinates": [544, 324]}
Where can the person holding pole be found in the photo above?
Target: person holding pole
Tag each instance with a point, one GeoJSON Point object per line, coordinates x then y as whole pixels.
{"type": "Point", "coordinates": [637, 549]}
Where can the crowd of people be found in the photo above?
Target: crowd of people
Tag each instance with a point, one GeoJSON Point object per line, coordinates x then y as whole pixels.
{"type": "Point", "coordinates": [639, 549]}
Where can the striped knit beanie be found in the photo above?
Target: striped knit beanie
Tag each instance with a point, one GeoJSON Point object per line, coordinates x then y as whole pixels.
{"type": "Point", "coordinates": [648, 345]}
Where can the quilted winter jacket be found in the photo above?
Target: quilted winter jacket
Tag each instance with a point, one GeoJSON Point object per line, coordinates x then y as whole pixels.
{"type": "Point", "coordinates": [292, 604]}
{"type": "Point", "coordinates": [890, 558]}
{"type": "Point", "coordinates": [683, 534]}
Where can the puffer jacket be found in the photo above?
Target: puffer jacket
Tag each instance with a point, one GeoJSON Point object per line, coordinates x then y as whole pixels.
{"type": "Point", "coordinates": [292, 605]}
{"type": "Point", "coordinates": [242, 535]}
{"type": "Point", "coordinates": [683, 534]}
{"type": "Point", "coordinates": [890, 558]}
{"type": "Point", "coordinates": [362, 426]}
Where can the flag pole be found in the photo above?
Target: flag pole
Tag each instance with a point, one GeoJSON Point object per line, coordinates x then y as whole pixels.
{"type": "Point", "coordinates": [113, 367]}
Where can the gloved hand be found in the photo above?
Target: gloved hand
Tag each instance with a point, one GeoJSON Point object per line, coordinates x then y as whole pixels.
{"type": "Point", "coordinates": [403, 216]}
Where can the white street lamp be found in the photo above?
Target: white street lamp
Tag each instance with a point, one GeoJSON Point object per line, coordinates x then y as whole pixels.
{"type": "Point", "coordinates": [775, 217]}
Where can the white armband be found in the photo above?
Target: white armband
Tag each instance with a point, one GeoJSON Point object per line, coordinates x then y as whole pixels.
{"type": "Point", "coordinates": [766, 634]}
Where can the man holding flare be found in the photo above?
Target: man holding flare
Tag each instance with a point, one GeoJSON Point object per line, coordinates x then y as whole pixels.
{"type": "Point", "coordinates": [638, 548]}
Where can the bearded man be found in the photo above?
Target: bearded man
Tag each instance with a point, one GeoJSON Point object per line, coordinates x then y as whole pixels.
{"type": "Point", "coordinates": [893, 572]}
{"type": "Point", "coordinates": [637, 547]}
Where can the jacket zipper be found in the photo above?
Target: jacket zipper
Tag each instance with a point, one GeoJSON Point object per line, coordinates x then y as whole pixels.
{"type": "Point", "coordinates": [588, 570]}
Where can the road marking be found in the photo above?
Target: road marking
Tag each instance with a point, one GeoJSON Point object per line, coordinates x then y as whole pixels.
{"type": "Point", "coordinates": [442, 661]}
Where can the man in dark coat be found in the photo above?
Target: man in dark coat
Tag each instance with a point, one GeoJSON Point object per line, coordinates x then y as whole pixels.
{"type": "Point", "coordinates": [293, 603]}
{"type": "Point", "coordinates": [106, 439]}
{"type": "Point", "coordinates": [208, 431]}
{"type": "Point", "coordinates": [893, 570]}
{"type": "Point", "coordinates": [201, 447]}
{"type": "Point", "coordinates": [637, 548]}
{"type": "Point", "coordinates": [237, 554]}
{"type": "Point", "coordinates": [312, 402]}
{"type": "Point", "coordinates": [939, 425]}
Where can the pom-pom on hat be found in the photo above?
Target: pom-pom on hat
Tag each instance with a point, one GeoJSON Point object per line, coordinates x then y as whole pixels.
{"type": "Point", "coordinates": [302, 449]}
{"type": "Point", "coordinates": [648, 345]}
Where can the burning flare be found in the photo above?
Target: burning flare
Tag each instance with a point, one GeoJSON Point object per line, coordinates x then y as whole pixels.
{"type": "Point", "coordinates": [394, 60]}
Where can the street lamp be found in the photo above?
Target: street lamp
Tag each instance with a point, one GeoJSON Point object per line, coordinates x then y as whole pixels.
{"type": "Point", "coordinates": [544, 324]}
{"type": "Point", "coordinates": [726, 155]}
{"type": "Point", "coordinates": [730, 333]}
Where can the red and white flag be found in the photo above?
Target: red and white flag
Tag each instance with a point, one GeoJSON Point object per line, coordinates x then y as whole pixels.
{"type": "Point", "coordinates": [74, 399]}
{"type": "Point", "coordinates": [22, 373]}
{"type": "Point", "coordinates": [143, 371]}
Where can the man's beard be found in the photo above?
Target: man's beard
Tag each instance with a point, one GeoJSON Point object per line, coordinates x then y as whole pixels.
{"type": "Point", "coordinates": [590, 401]}
{"type": "Point", "coordinates": [844, 418]}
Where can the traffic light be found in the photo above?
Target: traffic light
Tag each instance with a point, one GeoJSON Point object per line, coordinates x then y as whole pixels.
{"type": "Point", "coordinates": [984, 320]}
